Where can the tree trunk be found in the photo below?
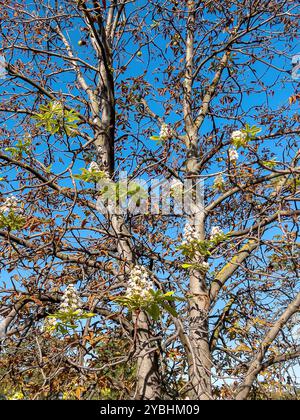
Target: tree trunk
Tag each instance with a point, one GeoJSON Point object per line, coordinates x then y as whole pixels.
{"type": "Point", "coordinates": [148, 384]}
{"type": "Point", "coordinates": [148, 379]}
{"type": "Point", "coordinates": [200, 369]}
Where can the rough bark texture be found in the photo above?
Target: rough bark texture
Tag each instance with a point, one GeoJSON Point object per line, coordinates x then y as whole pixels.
{"type": "Point", "coordinates": [148, 384]}
{"type": "Point", "coordinates": [200, 360]}
{"type": "Point", "coordinates": [148, 379]}
{"type": "Point", "coordinates": [200, 370]}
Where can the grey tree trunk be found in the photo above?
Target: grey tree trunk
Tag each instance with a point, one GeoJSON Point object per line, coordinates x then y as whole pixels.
{"type": "Point", "coordinates": [200, 369]}
{"type": "Point", "coordinates": [148, 384]}
{"type": "Point", "coordinates": [148, 378]}
{"type": "Point", "coordinates": [103, 109]}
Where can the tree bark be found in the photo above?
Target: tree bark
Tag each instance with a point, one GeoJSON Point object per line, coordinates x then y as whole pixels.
{"type": "Point", "coordinates": [148, 378]}
{"type": "Point", "coordinates": [148, 384]}
{"type": "Point", "coordinates": [200, 369]}
{"type": "Point", "coordinates": [257, 363]}
{"type": "Point", "coordinates": [200, 360]}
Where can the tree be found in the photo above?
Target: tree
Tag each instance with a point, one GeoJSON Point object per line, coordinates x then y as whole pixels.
{"type": "Point", "coordinates": [128, 304]}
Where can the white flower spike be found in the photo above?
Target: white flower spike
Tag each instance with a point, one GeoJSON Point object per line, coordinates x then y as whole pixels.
{"type": "Point", "coordinates": [70, 301]}
{"type": "Point", "coordinates": [219, 182]}
{"type": "Point", "coordinates": [238, 136]}
{"type": "Point", "coordinates": [165, 131]}
{"type": "Point", "coordinates": [215, 232]}
{"type": "Point", "coordinates": [189, 234]}
{"type": "Point", "coordinates": [10, 204]}
{"type": "Point", "coordinates": [205, 266]}
{"type": "Point", "coordinates": [94, 167]}
{"type": "Point", "coordinates": [139, 283]}
{"type": "Point", "coordinates": [233, 155]}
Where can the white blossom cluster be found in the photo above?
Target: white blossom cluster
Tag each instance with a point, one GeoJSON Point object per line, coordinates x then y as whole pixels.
{"type": "Point", "coordinates": [238, 136]}
{"type": "Point", "coordinates": [205, 265]}
{"type": "Point", "coordinates": [233, 154]}
{"type": "Point", "coordinates": [56, 104]}
{"type": "Point", "coordinates": [165, 131]}
{"type": "Point", "coordinates": [176, 185]}
{"type": "Point", "coordinates": [219, 181]}
{"type": "Point", "coordinates": [215, 232]}
{"type": "Point", "coordinates": [49, 324]}
{"type": "Point", "coordinates": [177, 189]}
{"type": "Point", "coordinates": [94, 167]}
{"type": "Point", "coordinates": [70, 301]}
{"type": "Point", "coordinates": [139, 283]}
{"type": "Point", "coordinates": [189, 234]}
{"type": "Point", "coordinates": [10, 204]}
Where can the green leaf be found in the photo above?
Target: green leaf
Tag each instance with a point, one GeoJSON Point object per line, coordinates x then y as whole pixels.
{"type": "Point", "coordinates": [91, 176]}
{"type": "Point", "coordinates": [62, 329]}
{"type": "Point", "coordinates": [154, 311]}
{"type": "Point", "coordinates": [87, 315]}
{"type": "Point", "coordinates": [187, 266]}
{"type": "Point", "coordinates": [12, 221]}
{"type": "Point", "coordinates": [48, 169]}
{"type": "Point", "coordinates": [56, 119]}
{"type": "Point", "coordinates": [170, 309]}
{"type": "Point", "coordinates": [171, 293]}
{"type": "Point", "coordinates": [269, 163]}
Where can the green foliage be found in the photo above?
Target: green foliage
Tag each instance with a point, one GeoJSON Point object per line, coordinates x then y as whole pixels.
{"type": "Point", "coordinates": [156, 138]}
{"type": "Point", "coordinates": [114, 191]}
{"type": "Point", "coordinates": [282, 182]}
{"type": "Point", "coordinates": [56, 119]}
{"type": "Point", "coordinates": [218, 239]}
{"type": "Point", "coordinates": [241, 142]}
{"type": "Point", "coordinates": [12, 221]}
{"type": "Point", "coordinates": [14, 395]}
{"type": "Point", "coordinates": [177, 192]}
{"type": "Point", "coordinates": [153, 304]}
{"type": "Point", "coordinates": [269, 163]}
{"type": "Point", "coordinates": [219, 184]}
{"type": "Point", "coordinates": [91, 175]}
{"type": "Point", "coordinates": [137, 192]}
{"type": "Point", "coordinates": [195, 247]}
{"type": "Point", "coordinates": [65, 321]}
{"type": "Point", "coordinates": [202, 268]}
{"type": "Point", "coordinates": [164, 134]}
{"type": "Point", "coordinates": [293, 184]}
{"type": "Point", "coordinates": [120, 191]}
{"type": "Point", "coordinates": [22, 146]}
{"type": "Point", "coordinates": [250, 134]}
{"type": "Point", "coordinates": [48, 169]}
